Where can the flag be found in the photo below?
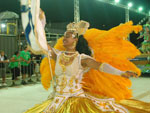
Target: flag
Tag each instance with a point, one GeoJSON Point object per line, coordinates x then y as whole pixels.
{"type": "Point", "coordinates": [33, 21]}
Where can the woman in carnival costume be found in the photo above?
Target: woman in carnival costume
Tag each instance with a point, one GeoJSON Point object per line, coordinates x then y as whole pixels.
{"type": "Point", "coordinates": [91, 68]}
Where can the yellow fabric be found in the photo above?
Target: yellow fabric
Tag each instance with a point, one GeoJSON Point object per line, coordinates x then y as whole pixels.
{"type": "Point", "coordinates": [39, 107]}
{"type": "Point", "coordinates": [59, 45]}
{"type": "Point", "coordinates": [84, 105]}
{"type": "Point", "coordinates": [107, 85]}
{"type": "Point", "coordinates": [79, 105]}
{"type": "Point", "coordinates": [136, 106]}
{"type": "Point", "coordinates": [45, 72]}
{"type": "Point", "coordinates": [110, 47]}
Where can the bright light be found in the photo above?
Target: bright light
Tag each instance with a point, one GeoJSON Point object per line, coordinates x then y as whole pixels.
{"type": "Point", "coordinates": [117, 1]}
{"type": "Point", "coordinates": [149, 13]}
{"type": "Point", "coordinates": [140, 9]}
{"type": "Point", "coordinates": [130, 4]}
{"type": "Point", "coordinates": [3, 25]}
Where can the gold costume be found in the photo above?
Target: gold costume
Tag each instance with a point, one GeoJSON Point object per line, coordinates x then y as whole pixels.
{"type": "Point", "coordinates": [84, 90]}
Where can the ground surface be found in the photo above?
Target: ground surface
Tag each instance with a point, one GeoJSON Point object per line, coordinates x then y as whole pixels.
{"type": "Point", "coordinates": [19, 98]}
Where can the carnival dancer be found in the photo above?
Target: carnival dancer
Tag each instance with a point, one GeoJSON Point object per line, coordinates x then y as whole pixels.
{"type": "Point", "coordinates": [85, 81]}
{"type": "Point", "coordinates": [73, 72]}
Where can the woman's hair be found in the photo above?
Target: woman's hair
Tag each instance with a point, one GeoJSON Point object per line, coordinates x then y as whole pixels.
{"type": "Point", "coordinates": [17, 52]}
{"type": "Point", "coordinates": [82, 46]}
{"type": "Point", "coordinates": [1, 51]}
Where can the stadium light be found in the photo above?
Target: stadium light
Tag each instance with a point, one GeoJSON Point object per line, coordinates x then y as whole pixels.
{"type": "Point", "coordinates": [117, 1]}
{"type": "Point", "coordinates": [3, 25]}
{"type": "Point", "coordinates": [130, 5]}
{"type": "Point", "coordinates": [140, 9]}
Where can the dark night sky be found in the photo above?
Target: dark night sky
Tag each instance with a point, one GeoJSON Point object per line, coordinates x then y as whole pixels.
{"type": "Point", "coordinates": [100, 15]}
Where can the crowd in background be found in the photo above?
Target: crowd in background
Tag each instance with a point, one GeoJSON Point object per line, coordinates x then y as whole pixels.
{"type": "Point", "coordinates": [23, 63]}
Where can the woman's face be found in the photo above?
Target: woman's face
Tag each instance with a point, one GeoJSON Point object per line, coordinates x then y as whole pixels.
{"type": "Point", "coordinates": [69, 39]}
{"type": "Point", "coordinates": [18, 54]}
{"type": "Point", "coordinates": [2, 53]}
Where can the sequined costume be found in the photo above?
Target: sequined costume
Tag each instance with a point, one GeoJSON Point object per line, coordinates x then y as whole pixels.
{"type": "Point", "coordinates": [83, 90]}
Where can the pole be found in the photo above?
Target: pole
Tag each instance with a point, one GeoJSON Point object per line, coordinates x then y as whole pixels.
{"type": "Point", "coordinates": [76, 11]}
{"type": "Point", "coordinates": [127, 18]}
{"type": "Point", "coordinates": [127, 15]}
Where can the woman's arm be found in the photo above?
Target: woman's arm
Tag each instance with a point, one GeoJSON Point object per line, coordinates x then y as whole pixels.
{"type": "Point", "coordinates": [107, 68]}
{"type": "Point", "coordinates": [89, 62]}
{"type": "Point", "coordinates": [52, 52]}
{"type": "Point", "coordinates": [13, 59]}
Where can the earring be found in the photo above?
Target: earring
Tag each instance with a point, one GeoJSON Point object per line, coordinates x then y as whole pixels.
{"type": "Point", "coordinates": [74, 44]}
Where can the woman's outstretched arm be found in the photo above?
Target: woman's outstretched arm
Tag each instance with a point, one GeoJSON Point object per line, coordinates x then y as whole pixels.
{"type": "Point", "coordinates": [107, 68]}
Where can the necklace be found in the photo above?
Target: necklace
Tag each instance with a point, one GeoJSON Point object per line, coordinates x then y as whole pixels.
{"type": "Point", "coordinates": [70, 51]}
{"type": "Point", "coordinates": [74, 54]}
{"type": "Point", "coordinates": [66, 60]}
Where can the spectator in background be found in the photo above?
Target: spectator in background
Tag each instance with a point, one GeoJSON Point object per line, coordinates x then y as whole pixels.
{"type": "Point", "coordinates": [146, 35]}
{"type": "Point", "coordinates": [3, 60]}
{"type": "Point", "coordinates": [25, 60]}
{"type": "Point", "coordinates": [14, 66]}
{"type": "Point", "coordinates": [37, 66]}
{"type": "Point", "coordinates": [31, 67]}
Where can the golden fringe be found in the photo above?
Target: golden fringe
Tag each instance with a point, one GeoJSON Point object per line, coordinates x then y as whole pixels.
{"type": "Point", "coordinates": [136, 106]}
{"type": "Point", "coordinates": [85, 105]}
{"type": "Point", "coordinates": [79, 105]}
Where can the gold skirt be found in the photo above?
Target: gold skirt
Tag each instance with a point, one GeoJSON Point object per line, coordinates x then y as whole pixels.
{"type": "Point", "coordinates": [85, 105]}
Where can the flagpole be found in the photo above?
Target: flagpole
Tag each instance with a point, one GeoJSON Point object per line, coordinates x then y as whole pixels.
{"type": "Point", "coordinates": [50, 66]}
{"type": "Point", "coordinates": [48, 53]}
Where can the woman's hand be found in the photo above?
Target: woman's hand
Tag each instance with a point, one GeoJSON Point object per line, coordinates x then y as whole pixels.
{"type": "Point", "coordinates": [128, 74]}
{"type": "Point", "coordinates": [52, 53]}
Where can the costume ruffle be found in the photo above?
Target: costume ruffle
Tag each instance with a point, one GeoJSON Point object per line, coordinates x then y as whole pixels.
{"type": "Point", "coordinates": [110, 47]}
{"type": "Point", "coordinates": [85, 105]}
